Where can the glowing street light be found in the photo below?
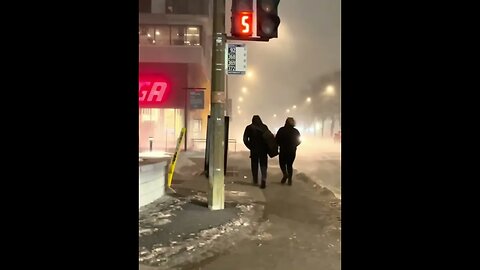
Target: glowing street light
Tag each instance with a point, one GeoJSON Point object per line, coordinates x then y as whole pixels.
{"type": "Point", "coordinates": [294, 107]}
{"type": "Point", "coordinates": [244, 90]}
{"type": "Point", "coordinates": [309, 99]}
{"type": "Point", "coordinates": [275, 115]}
{"type": "Point", "coordinates": [249, 74]}
{"type": "Point", "coordinates": [330, 90]}
{"type": "Point", "coordinates": [240, 99]}
{"type": "Point", "coordinates": [288, 110]}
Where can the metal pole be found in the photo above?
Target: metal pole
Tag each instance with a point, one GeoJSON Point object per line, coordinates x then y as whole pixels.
{"type": "Point", "coordinates": [186, 118]}
{"type": "Point", "coordinates": [216, 196]}
{"type": "Point", "coordinates": [227, 113]}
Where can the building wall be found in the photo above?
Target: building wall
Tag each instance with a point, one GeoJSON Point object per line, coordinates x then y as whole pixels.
{"type": "Point", "coordinates": [162, 18]}
{"type": "Point", "coordinates": [171, 54]}
{"type": "Point", "coordinates": [152, 179]}
{"type": "Point", "coordinates": [188, 66]}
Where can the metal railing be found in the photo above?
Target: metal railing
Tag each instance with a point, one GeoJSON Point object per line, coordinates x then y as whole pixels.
{"type": "Point", "coordinates": [204, 141]}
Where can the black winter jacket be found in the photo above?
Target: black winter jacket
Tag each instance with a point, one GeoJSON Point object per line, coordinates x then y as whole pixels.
{"type": "Point", "coordinates": [288, 138]}
{"type": "Point", "coordinates": [252, 138]}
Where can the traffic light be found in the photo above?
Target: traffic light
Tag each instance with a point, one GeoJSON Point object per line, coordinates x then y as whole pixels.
{"type": "Point", "coordinates": [242, 18]}
{"type": "Point", "coordinates": [267, 18]}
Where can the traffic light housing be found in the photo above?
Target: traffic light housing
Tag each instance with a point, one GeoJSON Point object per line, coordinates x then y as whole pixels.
{"type": "Point", "coordinates": [242, 18]}
{"type": "Point", "coordinates": [267, 18]}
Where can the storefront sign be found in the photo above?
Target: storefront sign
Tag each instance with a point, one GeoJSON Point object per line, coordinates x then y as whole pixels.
{"type": "Point", "coordinates": [152, 93]}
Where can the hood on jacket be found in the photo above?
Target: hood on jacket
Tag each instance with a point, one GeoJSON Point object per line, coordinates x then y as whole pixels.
{"type": "Point", "coordinates": [290, 122]}
{"type": "Point", "coordinates": [257, 121]}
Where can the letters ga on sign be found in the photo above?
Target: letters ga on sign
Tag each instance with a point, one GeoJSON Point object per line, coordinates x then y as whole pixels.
{"type": "Point", "coordinates": [153, 92]}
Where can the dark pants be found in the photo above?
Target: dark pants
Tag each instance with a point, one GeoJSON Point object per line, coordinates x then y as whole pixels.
{"type": "Point", "coordinates": [261, 158]}
{"type": "Point", "coordinates": [286, 162]}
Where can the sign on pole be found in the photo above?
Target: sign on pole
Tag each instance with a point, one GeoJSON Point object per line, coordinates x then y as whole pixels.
{"type": "Point", "coordinates": [236, 55]}
{"type": "Point", "coordinates": [196, 99]}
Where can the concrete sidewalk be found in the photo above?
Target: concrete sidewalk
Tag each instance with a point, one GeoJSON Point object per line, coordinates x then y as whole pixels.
{"type": "Point", "coordinates": [279, 227]}
{"type": "Point", "coordinates": [179, 227]}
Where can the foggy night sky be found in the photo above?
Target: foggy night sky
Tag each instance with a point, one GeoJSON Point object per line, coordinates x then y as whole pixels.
{"type": "Point", "coordinates": [308, 45]}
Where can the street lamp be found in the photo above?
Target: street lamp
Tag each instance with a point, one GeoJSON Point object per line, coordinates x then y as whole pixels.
{"type": "Point", "coordinates": [294, 107]}
{"type": "Point", "coordinates": [309, 100]}
{"type": "Point", "coordinates": [330, 90]}
{"type": "Point", "coordinates": [250, 74]}
{"type": "Point", "coordinates": [244, 90]}
{"type": "Point", "coordinates": [275, 115]}
{"type": "Point", "coordinates": [288, 110]}
{"type": "Point", "coordinates": [240, 99]}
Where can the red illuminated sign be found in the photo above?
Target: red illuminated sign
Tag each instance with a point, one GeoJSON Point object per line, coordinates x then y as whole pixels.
{"type": "Point", "coordinates": [244, 23]}
{"type": "Point", "coordinates": [152, 93]}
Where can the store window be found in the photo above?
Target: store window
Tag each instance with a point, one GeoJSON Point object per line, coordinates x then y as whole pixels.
{"type": "Point", "coordinates": [146, 35]}
{"type": "Point", "coordinates": [162, 126]}
{"type": "Point", "coordinates": [177, 35]}
{"type": "Point", "coordinates": [145, 6]}
{"type": "Point", "coordinates": [162, 35]}
{"type": "Point", "coordinates": [192, 35]}
{"type": "Point", "coordinates": [158, 6]}
{"type": "Point", "coordinates": [170, 35]}
{"type": "Point", "coordinates": [150, 115]}
{"type": "Point", "coordinates": [192, 7]}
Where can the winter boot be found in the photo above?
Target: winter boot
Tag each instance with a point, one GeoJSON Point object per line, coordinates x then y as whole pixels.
{"type": "Point", "coordinates": [284, 178]}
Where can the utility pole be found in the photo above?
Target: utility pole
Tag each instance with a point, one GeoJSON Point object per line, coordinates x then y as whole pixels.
{"type": "Point", "coordinates": [216, 195]}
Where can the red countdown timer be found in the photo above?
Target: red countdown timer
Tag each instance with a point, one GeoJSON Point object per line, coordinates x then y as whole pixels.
{"type": "Point", "coordinates": [243, 24]}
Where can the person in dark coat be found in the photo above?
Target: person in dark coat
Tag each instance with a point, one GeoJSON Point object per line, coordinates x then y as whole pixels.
{"type": "Point", "coordinates": [252, 138]}
{"type": "Point", "coordinates": [288, 138]}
